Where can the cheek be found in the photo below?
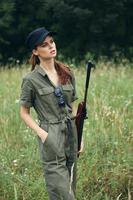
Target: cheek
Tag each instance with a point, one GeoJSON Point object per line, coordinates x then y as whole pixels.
{"type": "Point", "coordinates": [54, 45]}
{"type": "Point", "coordinates": [44, 51]}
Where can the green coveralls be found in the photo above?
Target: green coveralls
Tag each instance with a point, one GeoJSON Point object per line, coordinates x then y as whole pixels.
{"type": "Point", "coordinates": [59, 151]}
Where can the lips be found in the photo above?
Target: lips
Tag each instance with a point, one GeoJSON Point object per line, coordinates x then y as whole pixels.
{"type": "Point", "coordinates": [53, 51]}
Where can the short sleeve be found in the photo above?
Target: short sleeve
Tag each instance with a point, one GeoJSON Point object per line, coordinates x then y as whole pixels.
{"type": "Point", "coordinates": [27, 93]}
{"type": "Point", "coordinates": [74, 86]}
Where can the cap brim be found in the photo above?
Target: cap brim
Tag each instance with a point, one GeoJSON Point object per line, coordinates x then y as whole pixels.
{"type": "Point", "coordinates": [51, 33]}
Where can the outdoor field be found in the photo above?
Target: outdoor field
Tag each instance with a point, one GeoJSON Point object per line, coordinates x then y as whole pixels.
{"type": "Point", "coordinates": [105, 169]}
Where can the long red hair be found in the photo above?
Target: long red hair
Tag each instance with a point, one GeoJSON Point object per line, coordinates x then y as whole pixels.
{"type": "Point", "coordinates": [62, 69]}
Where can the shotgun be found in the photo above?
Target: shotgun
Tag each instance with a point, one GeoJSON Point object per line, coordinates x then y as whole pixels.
{"type": "Point", "coordinates": [82, 111]}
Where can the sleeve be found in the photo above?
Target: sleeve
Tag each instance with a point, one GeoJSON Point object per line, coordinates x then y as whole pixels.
{"type": "Point", "coordinates": [27, 95]}
{"type": "Point", "coordinates": [74, 86]}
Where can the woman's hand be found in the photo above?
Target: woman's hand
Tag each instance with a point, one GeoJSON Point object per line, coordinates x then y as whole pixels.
{"type": "Point", "coordinates": [81, 147]}
{"type": "Point", "coordinates": [25, 115]}
{"type": "Point", "coordinates": [43, 135]}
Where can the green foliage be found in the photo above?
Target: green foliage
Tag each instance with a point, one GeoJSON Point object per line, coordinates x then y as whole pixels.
{"type": "Point", "coordinates": [105, 167]}
{"type": "Point", "coordinates": [101, 27]}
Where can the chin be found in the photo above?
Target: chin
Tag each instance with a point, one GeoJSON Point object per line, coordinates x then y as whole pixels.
{"type": "Point", "coordinates": [49, 57]}
{"type": "Point", "coordinates": [53, 56]}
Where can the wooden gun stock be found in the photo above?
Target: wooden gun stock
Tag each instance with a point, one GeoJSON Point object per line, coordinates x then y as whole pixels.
{"type": "Point", "coordinates": [81, 115]}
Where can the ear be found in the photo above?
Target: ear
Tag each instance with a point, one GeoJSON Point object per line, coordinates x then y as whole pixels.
{"type": "Point", "coordinates": [35, 52]}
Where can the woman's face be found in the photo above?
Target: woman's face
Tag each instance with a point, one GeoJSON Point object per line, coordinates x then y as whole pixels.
{"type": "Point", "coordinates": [47, 49]}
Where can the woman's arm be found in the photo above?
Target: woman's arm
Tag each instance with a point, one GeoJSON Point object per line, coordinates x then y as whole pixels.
{"type": "Point", "coordinates": [74, 111]}
{"type": "Point", "coordinates": [25, 115]}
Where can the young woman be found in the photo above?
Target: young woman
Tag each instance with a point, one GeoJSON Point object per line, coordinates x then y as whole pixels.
{"type": "Point", "coordinates": [50, 89]}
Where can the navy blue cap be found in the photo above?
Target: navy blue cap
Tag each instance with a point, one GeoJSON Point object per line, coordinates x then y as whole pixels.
{"type": "Point", "coordinates": [37, 36]}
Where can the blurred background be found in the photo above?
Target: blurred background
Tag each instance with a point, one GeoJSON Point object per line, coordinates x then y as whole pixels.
{"type": "Point", "coordinates": [86, 28]}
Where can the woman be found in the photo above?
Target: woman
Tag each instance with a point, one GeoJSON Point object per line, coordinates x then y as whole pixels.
{"type": "Point", "coordinates": [50, 89]}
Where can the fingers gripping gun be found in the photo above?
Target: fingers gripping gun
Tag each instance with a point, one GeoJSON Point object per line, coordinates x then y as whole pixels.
{"type": "Point", "coordinates": [82, 111]}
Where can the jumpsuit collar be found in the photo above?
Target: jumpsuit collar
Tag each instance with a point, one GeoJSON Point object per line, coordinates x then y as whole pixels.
{"type": "Point", "coordinates": [40, 70]}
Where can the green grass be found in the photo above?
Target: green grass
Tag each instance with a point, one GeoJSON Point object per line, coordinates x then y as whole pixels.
{"type": "Point", "coordinates": [104, 169]}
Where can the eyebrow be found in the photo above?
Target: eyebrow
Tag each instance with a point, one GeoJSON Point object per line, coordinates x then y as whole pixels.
{"type": "Point", "coordinates": [46, 41]}
{"type": "Point", "coordinates": [43, 43]}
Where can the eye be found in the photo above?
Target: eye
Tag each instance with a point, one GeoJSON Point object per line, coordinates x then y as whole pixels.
{"type": "Point", "coordinates": [44, 45]}
{"type": "Point", "coordinates": [51, 41]}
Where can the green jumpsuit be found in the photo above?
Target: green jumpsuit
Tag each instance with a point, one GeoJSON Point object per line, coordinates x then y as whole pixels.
{"type": "Point", "coordinates": [59, 151]}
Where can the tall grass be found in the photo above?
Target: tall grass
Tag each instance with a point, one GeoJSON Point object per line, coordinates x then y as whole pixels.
{"type": "Point", "coordinates": [104, 169]}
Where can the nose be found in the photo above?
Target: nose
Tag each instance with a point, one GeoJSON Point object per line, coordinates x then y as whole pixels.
{"type": "Point", "coordinates": [50, 45]}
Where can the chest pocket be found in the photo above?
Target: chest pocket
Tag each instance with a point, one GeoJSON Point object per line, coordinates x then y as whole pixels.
{"type": "Point", "coordinates": [46, 94]}
{"type": "Point", "coordinates": [45, 91]}
{"type": "Point", "coordinates": [68, 92]}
